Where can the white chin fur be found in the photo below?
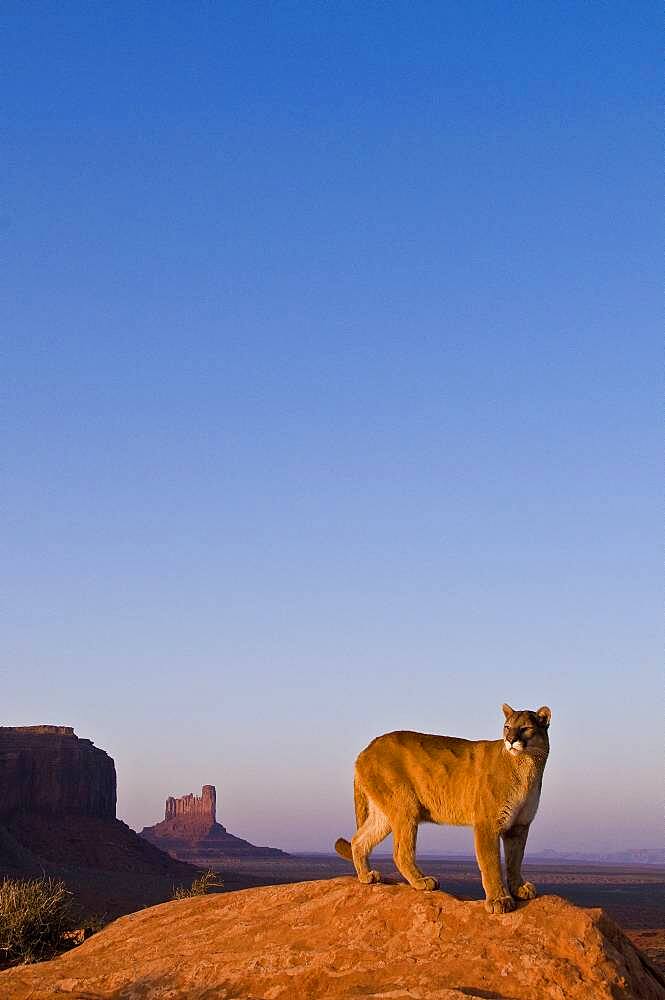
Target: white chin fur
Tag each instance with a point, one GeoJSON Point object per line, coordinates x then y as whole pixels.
{"type": "Point", "coordinates": [507, 744]}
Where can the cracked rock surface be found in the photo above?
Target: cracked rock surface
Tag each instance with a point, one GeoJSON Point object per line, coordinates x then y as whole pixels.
{"type": "Point", "coordinates": [339, 939]}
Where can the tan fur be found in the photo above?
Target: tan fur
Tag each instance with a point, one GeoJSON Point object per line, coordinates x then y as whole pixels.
{"type": "Point", "coordinates": [404, 778]}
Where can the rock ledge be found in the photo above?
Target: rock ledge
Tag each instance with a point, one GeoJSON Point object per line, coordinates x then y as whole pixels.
{"type": "Point", "coordinates": [338, 939]}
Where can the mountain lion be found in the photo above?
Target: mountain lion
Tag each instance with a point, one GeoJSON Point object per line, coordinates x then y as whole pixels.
{"type": "Point", "coordinates": [403, 779]}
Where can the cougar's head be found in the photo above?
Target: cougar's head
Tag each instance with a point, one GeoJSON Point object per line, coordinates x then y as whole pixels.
{"type": "Point", "coordinates": [526, 732]}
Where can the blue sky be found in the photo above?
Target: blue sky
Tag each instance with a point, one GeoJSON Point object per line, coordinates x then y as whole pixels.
{"type": "Point", "coordinates": [330, 396]}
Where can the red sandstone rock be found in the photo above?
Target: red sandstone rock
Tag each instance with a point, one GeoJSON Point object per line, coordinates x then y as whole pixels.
{"type": "Point", "coordinates": [57, 815]}
{"type": "Point", "coordinates": [201, 808]}
{"type": "Point", "coordinates": [190, 832]}
{"type": "Point", "coordinates": [50, 771]}
{"type": "Point", "coordinates": [337, 939]}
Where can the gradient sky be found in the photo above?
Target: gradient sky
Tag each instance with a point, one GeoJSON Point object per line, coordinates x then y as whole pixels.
{"type": "Point", "coordinates": [330, 396]}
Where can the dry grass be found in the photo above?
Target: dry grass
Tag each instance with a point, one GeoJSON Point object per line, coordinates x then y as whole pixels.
{"type": "Point", "coordinates": [35, 916]}
{"type": "Point", "coordinates": [199, 887]}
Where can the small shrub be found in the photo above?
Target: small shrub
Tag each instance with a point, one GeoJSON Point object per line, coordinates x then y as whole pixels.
{"type": "Point", "coordinates": [86, 926]}
{"type": "Point", "coordinates": [94, 923]}
{"type": "Point", "coordinates": [199, 887]}
{"type": "Point", "coordinates": [35, 915]}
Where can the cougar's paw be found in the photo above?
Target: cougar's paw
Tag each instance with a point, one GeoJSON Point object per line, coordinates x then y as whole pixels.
{"type": "Point", "coordinates": [427, 883]}
{"type": "Point", "coordinates": [526, 890]}
{"type": "Point", "coordinates": [501, 904]}
{"type": "Point", "coordinates": [370, 877]}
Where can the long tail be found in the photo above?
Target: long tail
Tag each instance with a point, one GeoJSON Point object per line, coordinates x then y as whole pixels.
{"type": "Point", "coordinates": [342, 846]}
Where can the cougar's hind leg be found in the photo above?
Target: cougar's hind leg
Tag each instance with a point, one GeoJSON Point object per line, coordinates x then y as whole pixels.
{"type": "Point", "coordinates": [373, 830]}
{"type": "Point", "coordinates": [404, 853]}
{"type": "Point", "coordinates": [361, 805]}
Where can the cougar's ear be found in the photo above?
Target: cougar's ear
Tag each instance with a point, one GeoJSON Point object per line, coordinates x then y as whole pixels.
{"type": "Point", "coordinates": [508, 711]}
{"type": "Point", "coordinates": [544, 715]}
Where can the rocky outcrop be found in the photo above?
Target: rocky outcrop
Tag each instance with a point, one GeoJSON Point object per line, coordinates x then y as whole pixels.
{"type": "Point", "coordinates": [339, 939]}
{"type": "Point", "coordinates": [57, 816]}
{"type": "Point", "coordinates": [190, 832]}
{"type": "Point", "coordinates": [48, 770]}
{"type": "Point", "coordinates": [194, 808]}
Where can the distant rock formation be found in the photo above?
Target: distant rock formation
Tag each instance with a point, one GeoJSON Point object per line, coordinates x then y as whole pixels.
{"type": "Point", "coordinates": [190, 832]}
{"type": "Point", "coordinates": [49, 771]}
{"type": "Point", "coordinates": [339, 939]}
{"type": "Point", "coordinates": [197, 808]}
{"type": "Point", "coordinates": [634, 856]}
{"type": "Point", "coordinates": [57, 815]}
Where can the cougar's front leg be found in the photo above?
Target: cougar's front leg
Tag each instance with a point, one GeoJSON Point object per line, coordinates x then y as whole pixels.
{"type": "Point", "coordinates": [514, 842]}
{"type": "Point", "coordinates": [497, 897]}
{"type": "Point", "coordinates": [404, 836]}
